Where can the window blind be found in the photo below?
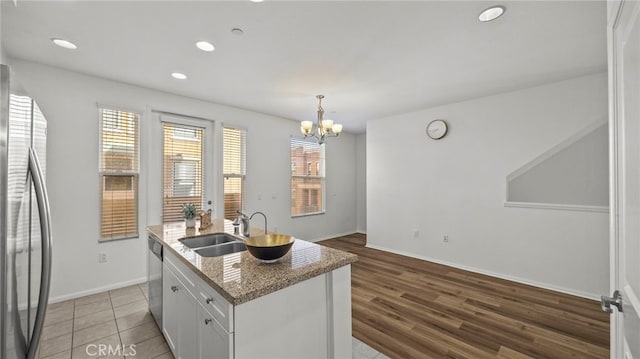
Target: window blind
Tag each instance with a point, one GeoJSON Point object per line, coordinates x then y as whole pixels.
{"type": "Point", "coordinates": [234, 170]}
{"type": "Point", "coordinates": [119, 170]}
{"type": "Point", "coordinates": [182, 174]}
{"type": "Point", "coordinates": [307, 177]}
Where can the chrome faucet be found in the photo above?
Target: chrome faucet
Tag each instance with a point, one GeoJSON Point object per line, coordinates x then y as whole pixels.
{"type": "Point", "coordinates": [265, 220]}
{"type": "Point", "coordinates": [244, 219]}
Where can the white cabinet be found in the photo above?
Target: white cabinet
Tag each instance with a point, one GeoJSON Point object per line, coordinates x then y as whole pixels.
{"type": "Point", "coordinates": [215, 341]}
{"type": "Point", "coordinates": [200, 323]}
{"type": "Point", "coordinates": [190, 329]}
{"type": "Point", "coordinates": [187, 333]}
{"type": "Point", "coordinates": [170, 308]}
{"type": "Point", "coordinates": [179, 313]}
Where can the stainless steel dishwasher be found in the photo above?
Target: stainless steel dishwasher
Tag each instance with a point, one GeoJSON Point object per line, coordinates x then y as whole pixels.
{"type": "Point", "coordinates": [155, 280]}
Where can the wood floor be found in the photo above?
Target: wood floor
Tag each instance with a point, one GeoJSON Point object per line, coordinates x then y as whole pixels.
{"type": "Point", "coordinates": [409, 308]}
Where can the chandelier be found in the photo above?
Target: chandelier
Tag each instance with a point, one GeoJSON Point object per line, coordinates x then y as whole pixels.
{"type": "Point", "coordinates": [323, 129]}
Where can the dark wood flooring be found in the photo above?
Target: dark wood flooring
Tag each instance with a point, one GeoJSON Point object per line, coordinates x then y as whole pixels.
{"type": "Point", "coordinates": [409, 308]}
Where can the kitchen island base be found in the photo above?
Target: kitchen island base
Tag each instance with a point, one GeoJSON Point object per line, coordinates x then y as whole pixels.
{"type": "Point", "coordinates": [309, 319]}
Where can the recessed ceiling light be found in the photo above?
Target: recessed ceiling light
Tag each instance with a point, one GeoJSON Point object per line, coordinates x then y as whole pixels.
{"type": "Point", "coordinates": [205, 46]}
{"type": "Point", "coordinates": [257, 0]}
{"type": "Point", "coordinates": [237, 31]}
{"type": "Point", "coordinates": [179, 75]}
{"type": "Point", "coordinates": [491, 13]}
{"type": "Point", "coordinates": [64, 43]}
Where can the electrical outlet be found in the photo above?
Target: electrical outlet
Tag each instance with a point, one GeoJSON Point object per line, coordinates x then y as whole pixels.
{"type": "Point", "coordinates": [416, 233]}
{"type": "Point", "coordinates": [275, 229]}
{"type": "Point", "coordinates": [445, 239]}
{"type": "Point", "coordinates": [102, 257]}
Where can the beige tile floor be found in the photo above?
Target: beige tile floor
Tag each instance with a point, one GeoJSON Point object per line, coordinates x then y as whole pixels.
{"type": "Point", "coordinates": [118, 318]}
{"type": "Point", "coordinates": [115, 319]}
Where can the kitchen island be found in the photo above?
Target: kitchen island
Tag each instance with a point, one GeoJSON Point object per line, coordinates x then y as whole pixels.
{"type": "Point", "coordinates": [235, 306]}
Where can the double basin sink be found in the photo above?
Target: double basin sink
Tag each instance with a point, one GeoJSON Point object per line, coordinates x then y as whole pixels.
{"type": "Point", "coordinates": [214, 245]}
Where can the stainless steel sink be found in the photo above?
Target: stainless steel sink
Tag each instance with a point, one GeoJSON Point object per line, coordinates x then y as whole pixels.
{"type": "Point", "coordinates": [221, 249]}
{"type": "Point", "coordinates": [209, 240]}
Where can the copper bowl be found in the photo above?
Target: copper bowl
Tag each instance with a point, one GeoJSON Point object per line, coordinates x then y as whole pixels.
{"type": "Point", "coordinates": [270, 247]}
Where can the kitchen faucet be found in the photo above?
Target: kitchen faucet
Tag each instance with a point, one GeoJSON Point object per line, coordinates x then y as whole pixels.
{"type": "Point", "coordinates": [244, 219]}
{"type": "Point", "coordinates": [265, 220]}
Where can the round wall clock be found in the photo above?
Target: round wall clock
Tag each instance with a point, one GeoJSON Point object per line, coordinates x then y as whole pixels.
{"type": "Point", "coordinates": [437, 129]}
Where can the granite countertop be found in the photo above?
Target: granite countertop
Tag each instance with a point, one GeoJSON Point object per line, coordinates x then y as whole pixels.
{"type": "Point", "coordinates": [240, 277]}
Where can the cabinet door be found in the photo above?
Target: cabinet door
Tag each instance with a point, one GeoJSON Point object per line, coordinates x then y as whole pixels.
{"type": "Point", "coordinates": [213, 340]}
{"type": "Point", "coordinates": [187, 328]}
{"type": "Point", "coordinates": [170, 308]}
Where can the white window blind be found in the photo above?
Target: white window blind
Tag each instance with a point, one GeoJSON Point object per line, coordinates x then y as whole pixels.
{"type": "Point", "coordinates": [183, 151]}
{"type": "Point", "coordinates": [234, 170]}
{"type": "Point", "coordinates": [307, 177]}
{"type": "Point", "coordinates": [119, 170]}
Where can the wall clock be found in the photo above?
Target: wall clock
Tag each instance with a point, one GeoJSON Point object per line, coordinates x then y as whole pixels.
{"type": "Point", "coordinates": [437, 129]}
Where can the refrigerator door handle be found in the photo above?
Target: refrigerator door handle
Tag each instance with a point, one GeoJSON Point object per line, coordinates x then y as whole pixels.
{"type": "Point", "coordinates": [45, 231]}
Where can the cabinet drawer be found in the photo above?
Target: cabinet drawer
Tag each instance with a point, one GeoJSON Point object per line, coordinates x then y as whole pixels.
{"type": "Point", "coordinates": [215, 304]}
{"type": "Point", "coordinates": [184, 274]}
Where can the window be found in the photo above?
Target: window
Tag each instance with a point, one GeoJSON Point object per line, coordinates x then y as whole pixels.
{"type": "Point", "coordinates": [182, 174]}
{"type": "Point", "coordinates": [307, 185]}
{"type": "Point", "coordinates": [119, 170]}
{"type": "Point", "coordinates": [234, 172]}
{"type": "Point", "coordinates": [185, 133]}
{"type": "Point", "coordinates": [185, 174]}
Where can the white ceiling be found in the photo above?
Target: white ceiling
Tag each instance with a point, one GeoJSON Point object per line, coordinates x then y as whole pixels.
{"type": "Point", "coordinates": [369, 58]}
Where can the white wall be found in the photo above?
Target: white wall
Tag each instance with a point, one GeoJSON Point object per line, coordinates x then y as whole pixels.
{"type": "Point", "coordinates": [456, 187]}
{"type": "Point", "coordinates": [69, 99]}
{"type": "Point", "coordinates": [361, 180]}
{"type": "Point", "coordinates": [578, 174]}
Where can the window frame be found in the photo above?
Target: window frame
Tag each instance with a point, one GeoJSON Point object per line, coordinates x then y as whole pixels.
{"type": "Point", "coordinates": [103, 173]}
{"type": "Point", "coordinates": [322, 161]}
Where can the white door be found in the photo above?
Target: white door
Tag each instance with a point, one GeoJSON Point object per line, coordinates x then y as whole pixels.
{"type": "Point", "coordinates": [181, 159]}
{"type": "Point", "coordinates": [624, 95]}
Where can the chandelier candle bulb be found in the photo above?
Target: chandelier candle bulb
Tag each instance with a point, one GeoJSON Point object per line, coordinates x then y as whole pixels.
{"type": "Point", "coordinates": [327, 124]}
{"type": "Point", "coordinates": [306, 127]}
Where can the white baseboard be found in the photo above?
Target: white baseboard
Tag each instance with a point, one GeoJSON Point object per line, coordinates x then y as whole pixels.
{"type": "Point", "coordinates": [83, 293]}
{"type": "Point", "coordinates": [331, 236]}
{"type": "Point", "coordinates": [534, 283]}
{"type": "Point", "coordinates": [361, 232]}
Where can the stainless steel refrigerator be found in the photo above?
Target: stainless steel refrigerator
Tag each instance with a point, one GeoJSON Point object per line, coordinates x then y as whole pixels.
{"type": "Point", "coordinates": [25, 234]}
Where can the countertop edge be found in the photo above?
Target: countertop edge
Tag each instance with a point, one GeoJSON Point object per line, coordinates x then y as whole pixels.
{"type": "Point", "coordinates": [251, 295]}
{"type": "Point", "coordinates": [276, 287]}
